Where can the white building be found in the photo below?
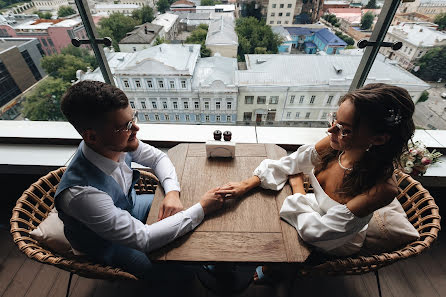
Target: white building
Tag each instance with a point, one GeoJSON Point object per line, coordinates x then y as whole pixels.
{"type": "Point", "coordinates": [303, 89]}
{"type": "Point", "coordinates": [280, 12]}
{"type": "Point", "coordinates": [222, 38]}
{"type": "Point", "coordinates": [125, 9]}
{"type": "Point", "coordinates": [223, 8]}
{"type": "Point", "coordinates": [140, 3]}
{"type": "Point", "coordinates": [50, 5]}
{"type": "Point", "coordinates": [169, 22]}
{"type": "Point", "coordinates": [168, 83]}
{"type": "Point", "coordinates": [417, 40]}
{"type": "Point", "coordinates": [142, 37]}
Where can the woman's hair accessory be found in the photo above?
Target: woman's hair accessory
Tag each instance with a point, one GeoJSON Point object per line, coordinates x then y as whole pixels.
{"type": "Point", "coordinates": [394, 118]}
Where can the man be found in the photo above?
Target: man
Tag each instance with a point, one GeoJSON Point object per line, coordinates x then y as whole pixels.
{"type": "Point", "coordinates": [102, 215]}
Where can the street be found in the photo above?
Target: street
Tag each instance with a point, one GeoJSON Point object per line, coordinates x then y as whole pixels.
{"type": "Point", "coordinates": [432, 113]}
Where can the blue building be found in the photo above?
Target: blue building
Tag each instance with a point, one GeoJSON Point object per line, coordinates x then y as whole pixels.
{"type": "Point", "coordinates": [312, 40]}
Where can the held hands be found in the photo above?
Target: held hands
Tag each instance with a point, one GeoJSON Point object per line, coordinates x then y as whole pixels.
{"type": "Point", "coordinates": [170, 206]}
{"type": "Point", "coordinates": [211, 201]}
{"type": "Point", "coordinates": [237, 189]}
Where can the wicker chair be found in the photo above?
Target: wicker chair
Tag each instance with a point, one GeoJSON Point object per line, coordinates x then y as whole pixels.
{"type": "Point", "coordinates": [34, 206]}
{"type": "Point", "coordinates": [421, 211]}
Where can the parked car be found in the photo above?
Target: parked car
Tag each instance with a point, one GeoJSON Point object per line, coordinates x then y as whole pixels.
{"type": "Point", "coordinates": [443, 95]}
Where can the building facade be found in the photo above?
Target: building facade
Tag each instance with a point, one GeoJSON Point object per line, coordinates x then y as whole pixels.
{"type": "Point", "coordinates": [107, 8]}
{"type": "Point", "coordinates": [50, 5]}
{"type": "Point", "coordinates": [222, 38]}
{"type": "Point", "coordinates": [19, 70]}
{"type": "Point", "coordinates": [280, 12]}
{"type": "Point", "coordinates": [417, 40]}
{"type": "Point", "coordinates": [170, 24]}
{"type": "Point", "coordinates": [142, 37]}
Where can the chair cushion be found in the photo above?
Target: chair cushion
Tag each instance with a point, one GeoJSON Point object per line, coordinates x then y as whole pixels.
{"type": "Point", "coordinates": [50, 233]}
{"type": "Point", "coordinates": [389, 229]}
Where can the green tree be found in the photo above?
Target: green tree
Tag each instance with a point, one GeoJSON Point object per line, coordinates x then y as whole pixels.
{"type": "Point", "coordinates": [251, 10]}
{"type": "Point", "coordinates": [432, 64]}
{"type": "Point", "coordinates": [46, 15]}
{"type": "Point", "coordinates": [143, 15]}
{"type": "Point", "coordinates": [160, 40]}
{"type": "Point", "coordinates": [332, 19]}
{"type": "Point", "coordinates": [116, 26]}
{"type": "Point", "coordinates": [63, 66]}
{"type": "Point", "coordinates": [85, 54]}
{"type": "Point", "coordinates": [163, 5]}
{"type": "Point", "coordinates": [367, 21]}
{"type": "Point", "coordinates": [423, 97]}
{"type": "Point", "coordinates": [65, 11]}
{"type": "Point", "coordinates": [198, 36]}
{"type": "Point", "coordinates": [209, 2]}
{"type": "Point", "coordinates": [253, 34]}
{"type": "Point", "coordinates": [43, 104]}
{"type": "Point", "coordinates": [440, 20]}
{"type": "Point", "coordinates": [371, 4]}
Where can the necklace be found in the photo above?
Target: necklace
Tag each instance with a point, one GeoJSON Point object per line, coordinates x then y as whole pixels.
{"type": "Point", "coordinates": [340, 164]}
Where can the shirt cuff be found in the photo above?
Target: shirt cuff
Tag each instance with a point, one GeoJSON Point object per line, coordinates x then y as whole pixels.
{"type": "Point", "coordinates": [170, 185]}
{"type": "Point", "coordinates": [196, 214]}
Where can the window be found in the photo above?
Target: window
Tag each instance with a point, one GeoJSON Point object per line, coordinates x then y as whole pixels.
{"type": "Point", "coordinates": [132, 104]}
{"type": "Point", "coordinates": [330, 98]}
{"type": "Point", "coordinates": [297, 115]}
{"type": "Point", "coordinates": [249, 99]}
{"type": "Point", "coordinates": [50, 42]}
{"type": "Point", "coordinates": [157, 117]}
{"type": "Point", "coordinates": [307, 115]}
{"type": "Point", "coordinates": [288, 115]}
{"type": "Point", "coordinates": [281, 5]}
{"type": "Point", "coordinates": [138, 83]}
{"type": "Point", "coordinates": [186, 105]}
{"type": "Point", "coordinates": [312, 99]}
{"type": "Point", "coordinates": [292, 99]}
{"type": "Point", "coordinates": [149, 83]}
{"type": "Point", "coordinates": [287, 14]}
{"type": "Point", "coordinates": [143, 105]}
{"type": "Point", "coordinates": [29, 61]}
{"type": "Point", "coordinates": [134, 49]}
{"type": "Point", "coordinates": [271, 22]}
{"type": "Point", "coordinates": [167, 117]}
{"type": "Point", "coordinates": [217, 105]}
{"type": "Point", "coordinates": [172, 84]}
{"type": "Point", "coordinates": [218, 118]}
{"type": "Point", "coordinates": [183, 84]}
{"type": "Point", "coordinates": [324, 115]}
{"type": "Point", "coordinates": [154, 105]}
{"type": "Point", "coordinates": [175, 104]}
{"type": "Point", "coordinates": [161, 84]}
{"type": "Point", "coordinates": [177, 117]}
{"type": "Point", "coordinates": [273, 14]}
{"type": "Point", "coordinates": [44, 42]}
{"type": "Point", "coordinates": [301, 99]}
{"type": "Point", "coordinates": [196, 105]}
{"type": "Point", "coordinates": [274, 5]}
{"type": "Point", "coordinates": [286, 22]}
{"type": "Point", "coordinates": [271, 116]}
{"type": "Point", "coordinates": [261, 99]}
{"type": "Point", "coordinates": [229, 105]}
{"type": "Point", "coordinates": [274, 100]}
{"type": "Point", "coordinates": [197, 118]}
{"type": "Point", "coordinates": [280, 14]}
{"type": "Point", "coordinates": [279, 22]}
{"type": "Point", "coordinates": [146, 117]}
{"type": "Point", "coordinates": [126, 83]}
{"type": "Point", "coordinates": [228, 118]}
{"type": "Point", "coordinates": [419, 54]}
{"type": "Point", "coordinates": [164, 104]}
{"type": "Point", "coordinates": [247, 116]}
{"type": "Point", "coordinates": [187, 118]}
{"type": "Point", "coordinates": [206, 118]}
{"type": "Point", "coordinates": [289, 5]}
{"type": "Point", "coordinates": [206, 105]}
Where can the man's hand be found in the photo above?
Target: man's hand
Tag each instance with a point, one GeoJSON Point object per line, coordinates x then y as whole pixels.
{"type": "Point", "coordinates": [170, 206]}
{"type": "Point", "coordinates": [211, 201]}
{"type": "Point", "coordinates": [237, 189]}
{"type": "Point", "coordinates": [297, 183]}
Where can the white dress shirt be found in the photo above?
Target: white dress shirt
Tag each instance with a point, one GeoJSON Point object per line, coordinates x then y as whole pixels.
{"type": "Point", "coordinates": [319, 220]}
{"type": "Point", "coordinates": [96, 209]}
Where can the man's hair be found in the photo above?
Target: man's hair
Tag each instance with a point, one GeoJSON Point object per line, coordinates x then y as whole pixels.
{"type": "Point", "coordinates": [86, 103]}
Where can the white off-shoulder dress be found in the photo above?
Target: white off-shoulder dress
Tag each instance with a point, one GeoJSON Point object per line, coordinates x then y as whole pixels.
{"type": "Point", "coordinates": [320, 221]}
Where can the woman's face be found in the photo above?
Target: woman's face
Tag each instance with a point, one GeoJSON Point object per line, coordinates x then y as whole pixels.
{"type": "Point", "coordinates": [343, 134]}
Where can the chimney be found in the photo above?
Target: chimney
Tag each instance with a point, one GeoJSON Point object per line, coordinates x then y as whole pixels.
{"type": "Point", "coordinates": [145, 29]}
{"type": "Point", "coordinates": [191, 49]}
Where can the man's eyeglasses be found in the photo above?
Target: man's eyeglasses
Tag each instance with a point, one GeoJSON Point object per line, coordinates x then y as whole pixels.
{"type": "Point", "coordinates": [130, 124]}
{"type": "Point", "coordinates": [332, 121]}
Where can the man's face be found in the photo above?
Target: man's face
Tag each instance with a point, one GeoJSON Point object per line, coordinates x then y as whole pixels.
{"type": "Point", "coordinates": [114, 136]}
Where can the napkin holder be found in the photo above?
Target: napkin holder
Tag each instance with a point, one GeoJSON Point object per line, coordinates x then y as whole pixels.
{"type": "Point", "coordinates": [221, 149]}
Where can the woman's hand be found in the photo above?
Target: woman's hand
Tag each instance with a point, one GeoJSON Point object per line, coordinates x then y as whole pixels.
{"type": "Point", "coordinates": [297, 183]}
{"type": "Point", "coordinates": [237, 189]}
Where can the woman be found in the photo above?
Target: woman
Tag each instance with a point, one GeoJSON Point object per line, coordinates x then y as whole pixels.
{"type": "Point", "coordinates": [350, 170]}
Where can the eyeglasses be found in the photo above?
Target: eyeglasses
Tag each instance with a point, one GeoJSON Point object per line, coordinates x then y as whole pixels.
{"type": "Point", "coordinates": [130, 124]}
{"type": "Point", "coordinates": [332, 121]}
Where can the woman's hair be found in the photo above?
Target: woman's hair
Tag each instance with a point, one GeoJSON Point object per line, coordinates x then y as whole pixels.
{"type": "Point", "coordinates": [86, 103]}
{"type": "Point", "coordinates": [384, 109]}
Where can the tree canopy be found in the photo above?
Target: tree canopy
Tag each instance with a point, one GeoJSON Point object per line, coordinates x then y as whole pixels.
{"type": "Point", "coordinates": [331, 18]}
{"type": "Point", "coordinates": [116, 26]}
{"type": "Point", "coordinates": [198, 36]}
{"type": "Point", "coordinates": [65, 11]}
{"type": "Point", "coordinates": [367, 20]}
{"type": "Point", "coordinates": [371, 4]}
{"type": "Point", "coordinates": [432, 64]}
{"type": "Point", "coordinates": [143, 15]}
{"type": "Point", "coordinates": [43, 103]}
{"type": "Point", "coordinates": [346, 38]}
{"type": "Point", "coordinates": [44, 15]}
{"type": "Point", "coordinates": [63, 66]}
{"type": "Point", "coordinates": [163, 5]}
{"type": "Point", "coordinates": [440, 20]}
{"type": "Point", "coordinates": [83, 53]}
{"type": "Point", "coordinates": [209, 2]}
{"type": "Point", "coordinates": [255, 37]}
{"type": "Point", "coordinates": [252, 9]}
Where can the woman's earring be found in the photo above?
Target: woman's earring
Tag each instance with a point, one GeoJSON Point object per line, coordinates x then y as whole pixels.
{"type": "Point", "coordinates": [368, 149]}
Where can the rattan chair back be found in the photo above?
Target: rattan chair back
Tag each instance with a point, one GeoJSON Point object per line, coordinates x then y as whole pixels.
{"type": "Point", "coordinates": [34, 206]}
